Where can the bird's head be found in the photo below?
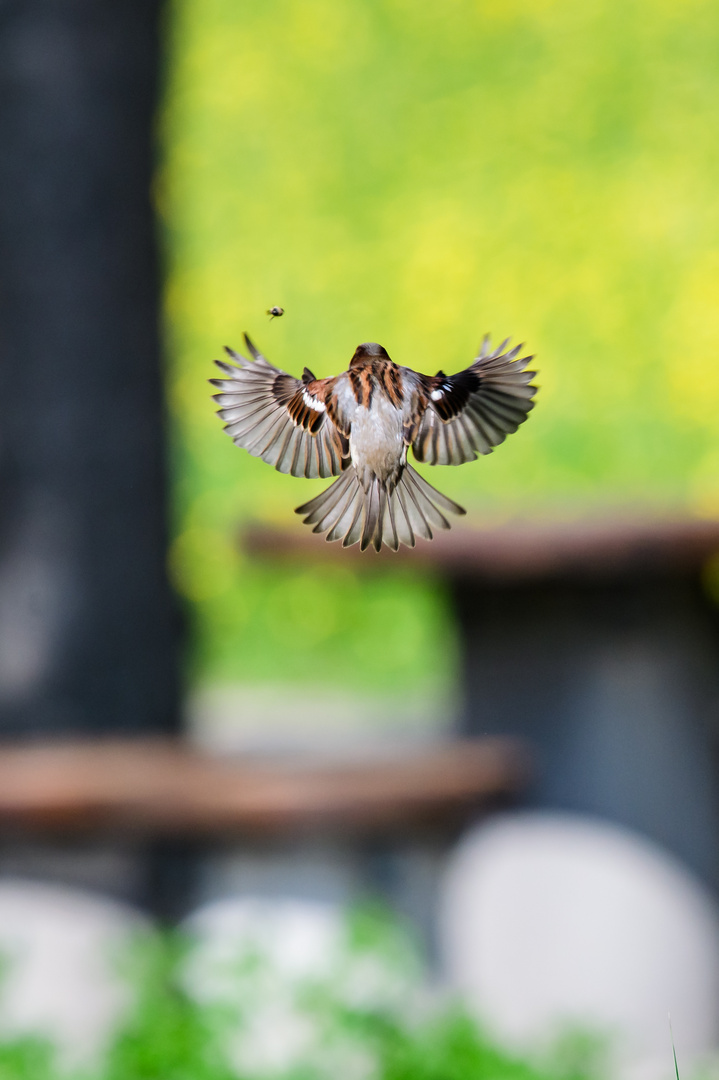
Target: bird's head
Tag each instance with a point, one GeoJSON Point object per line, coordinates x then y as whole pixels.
{"type": "Point", "coordinates": [368, 350]}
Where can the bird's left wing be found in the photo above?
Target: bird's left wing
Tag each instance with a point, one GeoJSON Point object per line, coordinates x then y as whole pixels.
{"type": "Point", "coordinates": [279, 418]}
{"type": "Point", "coordinates": [473, 411]}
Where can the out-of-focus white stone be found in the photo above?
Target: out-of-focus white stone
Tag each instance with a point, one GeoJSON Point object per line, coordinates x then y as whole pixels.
{"type": "Point", "coordinates": [550, 920]}
{"type": "Point", "coordinates": [59, 953]}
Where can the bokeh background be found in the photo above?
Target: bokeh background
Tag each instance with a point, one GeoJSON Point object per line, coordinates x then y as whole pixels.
{"type": "Point", "coordinates": [420, 175]}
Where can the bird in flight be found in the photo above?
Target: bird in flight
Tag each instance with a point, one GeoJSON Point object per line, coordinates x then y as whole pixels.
{"type": "Point", "coordinates": [359, 425]}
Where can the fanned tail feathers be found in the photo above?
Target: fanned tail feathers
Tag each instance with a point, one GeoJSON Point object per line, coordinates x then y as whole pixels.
{"type": "Point", "coordinates": [372, 511]}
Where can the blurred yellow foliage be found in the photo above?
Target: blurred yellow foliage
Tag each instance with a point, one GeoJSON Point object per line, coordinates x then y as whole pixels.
{"type": "Point", "coordinates": [418, 175]}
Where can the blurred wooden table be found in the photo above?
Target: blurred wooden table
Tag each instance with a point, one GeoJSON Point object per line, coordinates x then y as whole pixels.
{"type": "Point", "coordinates": [161, 788]}
{"type": "Point", "coordinates": [605, 548]}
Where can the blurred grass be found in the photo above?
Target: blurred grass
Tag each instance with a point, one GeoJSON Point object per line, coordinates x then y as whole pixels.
{"type": "Point", "coordinates": [418, 176]}
{"type": "Point", "coordinates": [171, 1035]}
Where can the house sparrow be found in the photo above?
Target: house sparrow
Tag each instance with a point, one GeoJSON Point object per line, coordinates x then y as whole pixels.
{"type": "Point", "coordinates": [359, 426]}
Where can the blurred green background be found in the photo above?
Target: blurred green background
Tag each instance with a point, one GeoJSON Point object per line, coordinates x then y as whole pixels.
{"type": "Point", "coordinates": [418, 175]}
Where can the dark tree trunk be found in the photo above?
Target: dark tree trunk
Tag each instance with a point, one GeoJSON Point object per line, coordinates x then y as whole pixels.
{"type": "Point", "coordinates": [88, 630]}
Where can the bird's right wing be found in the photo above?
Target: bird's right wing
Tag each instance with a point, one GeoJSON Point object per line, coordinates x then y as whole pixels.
{"type": "Point", "coordinates": [279, 418]}
{"type": "Point", "coordinates": [473, 411]}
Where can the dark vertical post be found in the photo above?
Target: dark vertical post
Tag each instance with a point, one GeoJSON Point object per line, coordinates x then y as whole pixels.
{"type": "Point", "coordinates": [88, 630]}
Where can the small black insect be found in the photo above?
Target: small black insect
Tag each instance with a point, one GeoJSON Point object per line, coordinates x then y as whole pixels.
{"type": "Point", "coordinates": [275, 311]}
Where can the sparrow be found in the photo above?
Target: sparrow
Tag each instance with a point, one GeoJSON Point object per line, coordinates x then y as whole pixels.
{"type": "Point", "coordinates": [359, 426]}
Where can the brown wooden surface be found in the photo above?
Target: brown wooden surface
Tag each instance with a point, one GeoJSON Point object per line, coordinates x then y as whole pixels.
{"type": "Point", "coordinates": [158, 787]}
{"type": "Point", "coordinates": [606, 547]}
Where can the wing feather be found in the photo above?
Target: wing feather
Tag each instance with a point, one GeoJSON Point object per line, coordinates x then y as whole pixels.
{"type": "Point", "coordinates": [473, 411]}
{"type": "Point", "coordinates": [278, 418]}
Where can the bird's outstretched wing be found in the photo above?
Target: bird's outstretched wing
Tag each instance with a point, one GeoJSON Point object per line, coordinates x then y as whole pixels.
{"type": "Point", "coordinates": [473, 411]}
{"type": "Point", "coordinates": [278, 418]}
